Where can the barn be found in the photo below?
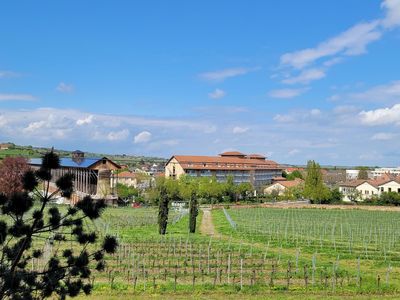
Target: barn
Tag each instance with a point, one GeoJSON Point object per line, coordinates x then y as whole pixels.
{"type": "Point", "coordinates": [92, 175]}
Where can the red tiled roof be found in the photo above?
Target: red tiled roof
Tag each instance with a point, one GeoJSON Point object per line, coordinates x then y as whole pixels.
{"type": "Point", "coordinates": [374, 182]}
{"type": "Point", "coordinates": [126, 174]}
{"type": "Point", "coordinates": [224, 163]}
{"type": "Point", "coordinates": [291, 183]}
{"type": "Point", "coordinates": [232, 153]}
{"type": "Point", "coordinates": [292, 169]}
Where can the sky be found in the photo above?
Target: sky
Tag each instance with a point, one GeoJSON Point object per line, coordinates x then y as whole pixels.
{"type": "Point", "coordinates": [293, 80]}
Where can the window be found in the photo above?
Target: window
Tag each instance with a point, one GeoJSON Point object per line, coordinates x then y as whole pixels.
{"type": "Point", "coordinates": [389, 189]}
{"type": "Point", "coordinates": [398, 190]}
{"type": "Point", "coordinates": [381, 189]}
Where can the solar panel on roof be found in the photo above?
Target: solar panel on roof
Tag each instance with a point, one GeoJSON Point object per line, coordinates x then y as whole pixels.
{"type": "Point", "coordinates": [69, 162]}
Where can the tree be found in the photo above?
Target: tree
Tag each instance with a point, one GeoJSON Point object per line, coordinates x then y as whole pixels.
{"type": "Point", "coordinates": [314, 187]}
{"type": "Point", "coordinates": [126, 192]}
{"type": "Point", "coordinates": [12, 170]}
{"type": "Point", "coordinates": [163, 209]}
{"type": "Point", "coordinates": [295, 174]}
{"type": "Point", "coordinates": [362, 173]}
{"type": "Point", "coordinates": [193, 212]}
{"type": "Point", "coordinates": [243, 189]}
{"type": "Point", "coordinates": [354, 195]}
{"type": "Point", "coordinates": [229, 188]}
{"type": "Point", "coordinates": [335, 196]}
{"type": "Point", "coordinates": [23, 224]}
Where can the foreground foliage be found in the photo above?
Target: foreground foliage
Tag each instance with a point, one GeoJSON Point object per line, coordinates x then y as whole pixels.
{"type": "Point", "coordinates": [25, 224]}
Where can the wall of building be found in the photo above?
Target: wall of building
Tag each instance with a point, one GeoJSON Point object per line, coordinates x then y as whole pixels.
{"type": "Point", "coordinates": [391, 186]}
{"type": "Point", "coordinates": [173, 169]}
{"type": "Point", "coordinates": [275, 187]}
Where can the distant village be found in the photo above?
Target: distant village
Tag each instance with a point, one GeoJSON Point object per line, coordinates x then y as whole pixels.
{"type": "Point", "coordinates": [101, 176]}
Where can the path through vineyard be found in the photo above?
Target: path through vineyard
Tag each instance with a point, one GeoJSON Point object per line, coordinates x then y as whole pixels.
{"type": "Point", "coordinates": [207, 225]}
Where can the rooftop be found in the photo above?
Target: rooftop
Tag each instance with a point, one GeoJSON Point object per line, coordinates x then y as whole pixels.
{"type": "Point", "coordinates": [70, 162]}
{"type": "Point", "coordinates": [230, 161]}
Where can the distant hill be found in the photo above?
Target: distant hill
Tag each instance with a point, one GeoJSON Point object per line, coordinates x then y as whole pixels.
{"type": "Point", "coordinates": [37, 152]}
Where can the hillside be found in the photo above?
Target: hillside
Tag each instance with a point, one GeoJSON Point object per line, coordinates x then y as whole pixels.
{"type": "Point", "coordinates": [35, 152]}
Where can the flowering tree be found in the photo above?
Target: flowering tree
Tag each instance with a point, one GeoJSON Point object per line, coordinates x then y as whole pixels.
{"type": "Point", "coordinates": [12, 170]}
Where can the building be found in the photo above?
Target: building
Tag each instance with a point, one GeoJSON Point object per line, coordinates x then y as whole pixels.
{"type": "Point", "coordinates": [364, 189]}
{"type": "Point", "coordinates": [352, 174]}
{"type": "Point", "coordinates": [92, 175]}
{"type": "Point", "coordinates": [279, 187]}
{"type": "Point", "coordinates": [253, 168]}
{"type": "Point", "coordinates": [126, 178]}
{"type": "Point", "coordinates": [381, 171]}
{"type": "Point", "coordinates": [6, 146]}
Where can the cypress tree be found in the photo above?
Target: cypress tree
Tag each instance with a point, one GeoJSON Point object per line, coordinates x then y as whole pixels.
{"type": "Point", "coordinates": [163, 210]}
{"type": "Point", "coordinates": [193, 212]}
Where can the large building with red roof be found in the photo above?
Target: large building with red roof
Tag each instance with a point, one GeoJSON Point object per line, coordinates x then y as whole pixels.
{"type": "Point", "coordinates": [252, 168]}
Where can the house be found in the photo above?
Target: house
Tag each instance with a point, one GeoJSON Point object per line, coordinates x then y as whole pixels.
{"type": "Point", "coordinates": [358, 189]}
{"type": "Point", "coordinates": [126, 178]}
{"type": "Point", "coordinates": [252, 168]}
{"type": "Point", "coordinates": [281, 186]}
{"type": "Point", "coordinates": [364, 189]}
{"type": "Point", "coordinates": [6, 146]}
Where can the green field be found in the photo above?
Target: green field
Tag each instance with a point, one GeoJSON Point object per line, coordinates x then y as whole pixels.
{"type": "Point", "coordinates": [264, 252]}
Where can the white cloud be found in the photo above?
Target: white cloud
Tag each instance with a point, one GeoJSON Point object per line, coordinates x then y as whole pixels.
{"type": "Point", "coordinates": [17, 97]}
{"type": "Point", "coordinates": [382, 136]}
{"type": "Point", "coordinates": [284, 118]}
{"type": "Point", "coordinates": [392, 8]}
{"type": "Point", "coordinates": [238, 129]}
{"type": "Point", "coordinates": [350, 42]}
{"type": "Point", "coordinates": [315, 112]}
{"type": "Point", "coordinates": [221, 75]}
{"type": "Point", "coordinates": [142, 137]}
{"type": "Point", "coordinates": [34, 126]}
{"type": "Point", "coordinates": [65, 88]}
{"type": "Point", "coordinates": [305, 76]}
{"type": "Point", "coordinates": [217, 94]}
{"type": "Point", "coordinates": [333, 61]}
{"type": "Point", "coordinates": [85, 121]}
{"type": "Point", "coordinates": [344, 109]}
{"type": "Point", "coordinates": [381, 116]}
{"type": "Point", "coordinates": [381, 93]}
{"type": "Point", "coordinates": [286, 93]}
{"type": "Point", "coordinates": [118, 135]}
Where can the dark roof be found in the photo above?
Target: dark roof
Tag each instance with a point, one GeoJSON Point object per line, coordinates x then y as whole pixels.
{"type": "Point", "coordinates": [69, 162]}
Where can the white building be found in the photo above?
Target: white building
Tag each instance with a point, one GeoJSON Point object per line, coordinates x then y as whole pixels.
{"type": "Point", "coordinates": [378, 172]}
{"type": "Point", "coordinates": [352, 174]}
{"type": "Point", "coordinates": [358, 190]}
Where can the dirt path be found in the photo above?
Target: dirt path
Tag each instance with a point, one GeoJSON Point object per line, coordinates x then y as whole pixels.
{"type": "Point", "coordinates": [207, 225]}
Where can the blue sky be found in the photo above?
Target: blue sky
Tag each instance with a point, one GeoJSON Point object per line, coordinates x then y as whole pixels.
{"type": "Point", "coordinates": [294, 80]}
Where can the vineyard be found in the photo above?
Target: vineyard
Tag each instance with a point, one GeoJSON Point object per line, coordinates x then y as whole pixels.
{"type": "Point", "coordinates": [256, 250]}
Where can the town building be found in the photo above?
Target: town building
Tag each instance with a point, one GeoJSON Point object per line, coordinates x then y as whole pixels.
{"type": "Point", "coordinates": [253, 168]}
{"type": "Point", "coordinates": [92, 176]}
{"type": "Point", "coordinates": [126, 178]}
{"type": "Point", "coordinates": [280, 186]}
{"type": "Point", "coordinates": [381, 171]}
{"type": "Point", "coordinates": [356, 190]}
{"type": "Point", "coordinates": [6, 146]}
{"type": "Point", "coordinates": [352, 174]}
